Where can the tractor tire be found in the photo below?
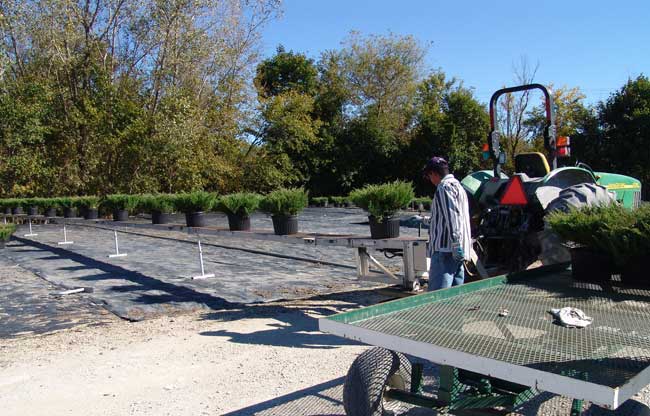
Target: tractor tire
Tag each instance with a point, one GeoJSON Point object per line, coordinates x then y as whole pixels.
{"type": "Point", "coordinates": [370, 374]}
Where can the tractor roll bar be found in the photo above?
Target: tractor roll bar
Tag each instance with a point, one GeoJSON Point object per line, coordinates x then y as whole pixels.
{"type": "Point", "coordinates": [549, 129]}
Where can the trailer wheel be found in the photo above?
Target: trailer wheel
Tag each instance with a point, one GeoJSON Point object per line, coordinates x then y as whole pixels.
{"type": "Point", "coordinates": [368, 377]}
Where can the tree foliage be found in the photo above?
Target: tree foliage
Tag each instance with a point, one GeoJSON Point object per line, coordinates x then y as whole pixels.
{"type": "Point", "coordinates": [103, 97]}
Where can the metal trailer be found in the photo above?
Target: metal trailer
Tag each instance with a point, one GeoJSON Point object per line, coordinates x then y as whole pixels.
{"type": "Point", "coordinates": [412, 249]}
{"type": "Point", "coordinates": [498, 346]}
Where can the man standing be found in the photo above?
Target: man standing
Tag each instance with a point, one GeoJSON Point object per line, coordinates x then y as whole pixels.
{"type": "Point", "coordinates": [450, 239]}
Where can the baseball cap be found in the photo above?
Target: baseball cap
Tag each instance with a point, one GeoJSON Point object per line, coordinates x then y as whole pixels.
{"type": "Point", "coordinates": [434, 163]}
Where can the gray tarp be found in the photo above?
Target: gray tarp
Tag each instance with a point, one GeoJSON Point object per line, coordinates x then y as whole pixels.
{"type": "Point", "coordinates": [556, 199]}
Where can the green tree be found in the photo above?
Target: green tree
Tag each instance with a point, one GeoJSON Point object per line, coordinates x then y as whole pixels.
{"type": "Point", "coordinates": [451, 123]}
{"type": "Point", "coordinates": [290, 129]}
{"type": "Point", "coordinates": [286, 71]}
{"type": "Point", "coordinates": [625, 123]}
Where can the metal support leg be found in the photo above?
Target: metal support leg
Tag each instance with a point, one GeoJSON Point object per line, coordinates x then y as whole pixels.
{"type": "Point", "coordinates": [363, 267]}
{"type": "Point", "coordinates": [450, 386]}
{"type": "Point", "coordinates": [117, 248]}
{"type": "Point", "coordinates": [576, 407]}
{"type": "Point", "coordinates": [416, 377]}
{"type": "Point", "coordinates": [410, 280]}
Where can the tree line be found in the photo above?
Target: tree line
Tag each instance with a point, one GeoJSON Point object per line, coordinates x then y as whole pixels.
{"type": "Point", "coordinates": [110, 96]}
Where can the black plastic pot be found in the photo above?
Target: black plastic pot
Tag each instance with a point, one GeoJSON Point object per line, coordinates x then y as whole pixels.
{"type": "Point", "coordinates": [591, 266]}
{"type": "Point", "coordinates": [389, 228]}
{"type": "Point", "coordinates": [239, 223]}
{"type": "Point", "coordinates": [50, 212]}
{"type": "Point", "coordinates": [17, 210]}
{"type": "Point", "coordinates": [32, 210]}
{"type": "Point", "coordinates": [635, 273]}
{"type": "Point", "coordinates": [195, 219]}
{"type": "Point", "coordinates": [285, 224]}
{"type": "Point", "coordinates": [120, 215]}
{"type": "Point", "coordinates": [91, 213]}
{"type": "Point", "coordinates": [69, 212]}
{"type": "Point", "coordinates": [158, 217]}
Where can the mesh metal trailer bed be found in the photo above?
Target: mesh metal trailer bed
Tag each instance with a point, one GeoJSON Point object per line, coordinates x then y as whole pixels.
{"type": "Point", "coordinates": [498, 345]}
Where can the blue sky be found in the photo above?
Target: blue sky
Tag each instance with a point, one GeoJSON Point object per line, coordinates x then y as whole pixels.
{"type": "Point", "coordinates": [595, 45]}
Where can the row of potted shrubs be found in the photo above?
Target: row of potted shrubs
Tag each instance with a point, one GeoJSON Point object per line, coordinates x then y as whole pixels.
{"type": "Point", "coordinates": [381, 202]}
{"type": "Point", "coordinates": [283, 205]}
{"type": "Point", "coordinates": [606, 241]}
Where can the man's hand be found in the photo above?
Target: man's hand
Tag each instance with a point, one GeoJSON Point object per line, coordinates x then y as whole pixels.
{"type": "Point", "coordinates": [457, 252]}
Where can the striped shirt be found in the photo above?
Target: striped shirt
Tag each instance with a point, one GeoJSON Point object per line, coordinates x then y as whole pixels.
{"type": "Point", "coordinates": [449, 221]}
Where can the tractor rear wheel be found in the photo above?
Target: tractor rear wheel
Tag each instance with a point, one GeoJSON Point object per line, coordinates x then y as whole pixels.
{"type": "Point", "coordinates": [369, 376]}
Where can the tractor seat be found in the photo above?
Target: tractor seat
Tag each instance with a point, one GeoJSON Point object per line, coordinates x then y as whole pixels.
{"type": "Point", "coordinates": [533, 164]}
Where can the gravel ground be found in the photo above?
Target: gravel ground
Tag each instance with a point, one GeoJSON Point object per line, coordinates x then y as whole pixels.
{"type": "Point", "coordinates": [261, 360]}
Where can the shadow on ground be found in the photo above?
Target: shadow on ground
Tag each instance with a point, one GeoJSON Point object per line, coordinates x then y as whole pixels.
{"type": "Point", "coordinates": [298, 323]}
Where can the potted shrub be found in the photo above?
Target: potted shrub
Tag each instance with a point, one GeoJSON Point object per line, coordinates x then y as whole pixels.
{"type": "Point", "coordinates": [68, 205]}
{"type": "Point", "coordinates": [88, 207]}
{"type": "Point", "coordinates": [6, 231]}
{"type": "Point", "coordinates": [30, 205]}
{"type": "Point", "coordinates": [284, 206]}
{"type": "Point", "coordinates": [194, 205]}
{"type": "Point", "coordinates": [6, 206]}
{"type": "Point", "coordinates": [238, 207]}
{"type": "Point", "coordinates": [49, 206]}
{"type": "Point", "coordinates": [161, 207]}
{"type": "Point", "coordinates": [382, 202]}
{"type": "Point", "coordinates": [17, 206]}
{"type": "Point", "coordinates": [421, 203]}
{"type": "Point", "coordinates": [320, 201]}
{"type": "Point", "coordinates": [630, 246]}
{"type": "Point", "coordinates": [595, 239]}
{"type": "Point", "coordinates": [120, 205]}
{"type": "Point", "coordinates": [338, 201]}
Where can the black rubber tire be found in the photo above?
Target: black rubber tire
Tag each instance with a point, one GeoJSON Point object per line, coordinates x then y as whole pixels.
{"type": "Point", "coordinates": [367, 378]}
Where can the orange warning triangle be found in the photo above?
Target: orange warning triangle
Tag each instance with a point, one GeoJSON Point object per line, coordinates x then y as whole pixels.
{"type": "Point", "coordinates": [514, 193]}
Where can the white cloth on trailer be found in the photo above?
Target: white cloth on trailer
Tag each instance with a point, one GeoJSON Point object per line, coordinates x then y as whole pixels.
{"type": "Point", "coordinates": [571, 317]}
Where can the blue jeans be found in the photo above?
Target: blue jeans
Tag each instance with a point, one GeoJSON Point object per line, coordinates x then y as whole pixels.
{"type": "Point", "coordinates": [445, 271]}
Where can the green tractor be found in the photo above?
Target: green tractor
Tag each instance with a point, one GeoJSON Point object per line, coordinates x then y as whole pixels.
{"type": "Point", "coordinates": [508, 211]}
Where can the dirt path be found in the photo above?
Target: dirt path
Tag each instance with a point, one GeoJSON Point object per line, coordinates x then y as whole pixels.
{"type": "Point", "coordinates": [195, 364]}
